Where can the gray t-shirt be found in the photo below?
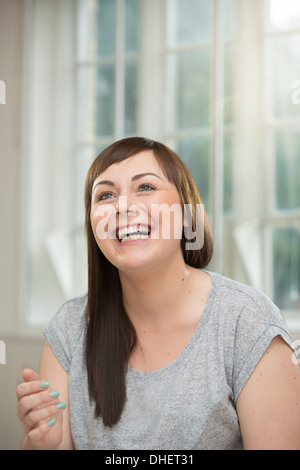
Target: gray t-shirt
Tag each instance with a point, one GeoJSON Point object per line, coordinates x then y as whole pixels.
{"type": "Point", "coordinates": [190, 403]}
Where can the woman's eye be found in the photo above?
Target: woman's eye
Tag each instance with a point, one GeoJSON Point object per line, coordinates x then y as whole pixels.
{"type": "Point", "coordinates": [104, 196]}
{"type": "Point", "coordinates": [146, 187]}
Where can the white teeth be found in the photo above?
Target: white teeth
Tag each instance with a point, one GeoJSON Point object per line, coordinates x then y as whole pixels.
{"type": "Point", "coordinates": [134, 237]}
{"type": "Point", "coordinates": [133, 232]}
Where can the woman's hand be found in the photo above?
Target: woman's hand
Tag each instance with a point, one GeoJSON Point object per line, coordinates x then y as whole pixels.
{"type": "Point", "coordinates": [40, 412]}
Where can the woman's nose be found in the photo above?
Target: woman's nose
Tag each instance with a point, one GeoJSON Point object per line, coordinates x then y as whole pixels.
{"type": "Point", "coordinates": [125, 204]}
{"type": "Point", "coordinates": [127, 207]}
{"type": "Point", "coordinates": [122, 205]}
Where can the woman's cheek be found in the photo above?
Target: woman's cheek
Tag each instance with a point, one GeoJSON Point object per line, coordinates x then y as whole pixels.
{"type": "Point", "coordinates": [104, 222]}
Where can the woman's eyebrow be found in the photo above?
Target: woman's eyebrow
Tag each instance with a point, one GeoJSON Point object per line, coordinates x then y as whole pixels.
{"type": "Point", "coordinates": [134, 178]}
{"type": "Point", "coordinates": [141, 175]}
{"type": "Point", "coordinates": [109, 183]}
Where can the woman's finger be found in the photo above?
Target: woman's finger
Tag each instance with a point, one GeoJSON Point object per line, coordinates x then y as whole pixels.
{"type": "Point", "coordinates": [37, 417]}
{"type": "Point", "coordinates": [41, 435]}
{"type": "Point", "coordinates": [29, 375]}
{"type": "Point", "coordinates": [36, 401]}
{"type": "Point", "coordinates": [29, 388]}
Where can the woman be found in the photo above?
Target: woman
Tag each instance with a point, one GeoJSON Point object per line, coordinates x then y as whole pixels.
{"type": "Point", "coordinates": [159, 354]}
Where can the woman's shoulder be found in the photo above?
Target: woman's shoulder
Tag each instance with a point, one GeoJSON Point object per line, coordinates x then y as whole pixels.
{"type": "Point", "coordinates": [245, 309]}
{"type": "Point", "coordinates": [76, 306]}
{"type": "Point", "coordinates": [66, 328]}
{"type": "Point", "coordinates": [237, 296]}
{"type": "Point", "coordinates": [72, 313]}
{"type": "Point", "coordinates": [248, 321]}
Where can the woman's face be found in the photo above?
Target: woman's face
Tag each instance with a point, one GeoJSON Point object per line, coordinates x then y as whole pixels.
{"type": "Point", "coordinates": [136, 214]}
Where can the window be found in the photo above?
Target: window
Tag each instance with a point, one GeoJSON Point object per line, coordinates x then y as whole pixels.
{"type": "Point", "coordinates": [214, 80]}
{"type": "Point", "coordinates": [107, 74]}
{"type": "Point", "coordinates": [282, 40]}
{"type": "Point", "coordinates": [108, 56]}
{"type": "Point", "coordinates": [200, 52]}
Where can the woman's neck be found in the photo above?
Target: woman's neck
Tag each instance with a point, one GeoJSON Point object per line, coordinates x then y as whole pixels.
{"type": "Point", "coordinates": [155, 298]}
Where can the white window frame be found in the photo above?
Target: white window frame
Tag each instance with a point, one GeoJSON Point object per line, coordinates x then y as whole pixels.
{"type": "Point", "coordinates": [276, 218]}
{"type": "Point", "coordinates": [254, 162]}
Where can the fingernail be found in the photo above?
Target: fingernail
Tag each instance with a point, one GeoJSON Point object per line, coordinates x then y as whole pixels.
{"type": "Point", "coordinates": [61, 405]}
{"type": "Point", "coordinates": [45, 384]}
{"type": "Point", "coordinates": [51, 422]}
{"type": "Point", "coordinates": [54, 394]}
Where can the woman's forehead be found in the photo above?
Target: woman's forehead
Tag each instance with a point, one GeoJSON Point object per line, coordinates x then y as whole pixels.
{"type": "Point", "coordinates": [143, 162]}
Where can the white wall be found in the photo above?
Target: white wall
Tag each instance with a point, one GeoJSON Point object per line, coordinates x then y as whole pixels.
{"type": "Point", "coordinates": [20, 351]}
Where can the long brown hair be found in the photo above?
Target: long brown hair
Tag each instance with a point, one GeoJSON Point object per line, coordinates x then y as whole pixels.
{"type": "Point", "coordinates": [110, 335]}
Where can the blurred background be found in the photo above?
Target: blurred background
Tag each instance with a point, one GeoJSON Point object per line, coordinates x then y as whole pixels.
{"type": "Point", "coordinates": [216, 80]}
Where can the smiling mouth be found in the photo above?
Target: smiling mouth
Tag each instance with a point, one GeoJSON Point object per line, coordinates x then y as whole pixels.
{"type": "Point", "coordinates": [133, 232]}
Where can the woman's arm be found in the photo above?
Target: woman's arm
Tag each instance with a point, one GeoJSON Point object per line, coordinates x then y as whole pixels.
{"type": "Point", "coordinates": [39, 434]}
{"type": "Point", "coordinates": [269, 405]}
{"type": "Point", "coordinates": [51, 368]}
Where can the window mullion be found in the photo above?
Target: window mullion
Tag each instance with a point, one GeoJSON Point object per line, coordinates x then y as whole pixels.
{"type": "Point", "coordinates": [248, 155]}
{"type": "Point", "coordinates": [152, 96]}
{"type": "Point", "coordinates": [119, 71]}
{"type": "Point", "coordinates": [217, 156]}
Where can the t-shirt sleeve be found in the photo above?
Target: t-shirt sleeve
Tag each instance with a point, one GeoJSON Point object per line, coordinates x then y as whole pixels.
{"type": "Point", "coordinates": [258, 324]}
{"type": "Point", "coordinates": [64, 330]}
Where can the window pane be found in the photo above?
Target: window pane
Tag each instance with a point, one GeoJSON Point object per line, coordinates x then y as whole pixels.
{"type": "Point", "coordinates": [287, 170]}
{"type": "Point", "coordinates": [131, 25]}
{"type": "Point", "coordinates": [97, 98]}
{"type": "Point", "coordinates": [192, 21]}
{"type": "Point", "coordinates": [104, 112]}
{"type": "Point", "coordinates": [195, 152]}
{"type": "Point", "coordinates": [192, 89]}
{"type": "Point", "coordinates": [96, 33]}
{"type": "Point", "coordinates": [96, 101]}
{"type": "Point", "coordinates": [131, 95]}
{"type": "Point", "coordinates": [285, 70]}
{"type": "Point", "coordinates": [105, 27]}
{"type": "Point", "coordinates": [286, 268]}
{"type": "Point", "coordinates": [284, 14]}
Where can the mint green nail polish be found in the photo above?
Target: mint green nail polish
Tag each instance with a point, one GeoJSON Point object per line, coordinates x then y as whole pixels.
{"type": "Point", "coordinates": [45, 384]}
{"type": "Point", "coordinates": [54, 394]}
{"type": "Point", "coordinates": [61, 405]}
{"type": "Point", "coordinates": [51, 422]}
